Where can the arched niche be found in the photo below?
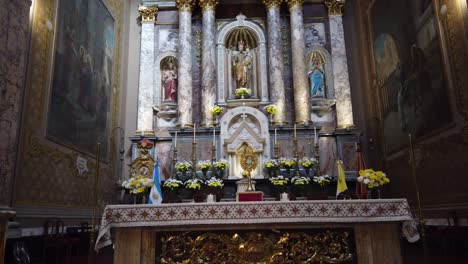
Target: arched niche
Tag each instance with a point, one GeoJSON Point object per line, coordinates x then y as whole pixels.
{"type": "Point", "coordinates": [319, 53]}
{"type": "Point", "coordinates": [249, 126]}
{"type": "Point", "coordinates": [166, 110]}
{"type": "Point", "coordinates": [225, 85]}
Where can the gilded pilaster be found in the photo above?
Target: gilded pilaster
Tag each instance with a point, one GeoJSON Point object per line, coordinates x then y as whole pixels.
{"type": "Point", "coordinates": [301, 95]}
{"type": "Point", "coordinates": [276, 67]}
{"type": "Point", "coordinates": [185, 61]}
{"type": "Point", "coordinates": [148, 13]}
{"type": "Point", "coordinates": [335, 7]}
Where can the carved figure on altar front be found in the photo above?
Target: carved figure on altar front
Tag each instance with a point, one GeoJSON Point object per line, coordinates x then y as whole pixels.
{"type": "Point", "coordinates": [169, 78]}
{"type": "Point", "coordinates": [242, 65]}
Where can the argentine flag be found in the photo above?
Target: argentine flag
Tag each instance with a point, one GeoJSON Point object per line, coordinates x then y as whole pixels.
{"type": "Point", "coordinates": [155, 196]}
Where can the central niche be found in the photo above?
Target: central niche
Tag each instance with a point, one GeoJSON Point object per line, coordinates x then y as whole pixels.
{"type": "Point", "coordinates": [241, 50]}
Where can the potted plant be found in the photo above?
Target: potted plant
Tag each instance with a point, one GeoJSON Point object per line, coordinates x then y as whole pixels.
{"type": "Point", "coordinates": [138, 186]}
{"type": "Point", "coordinates": [307, 163]}
{"type": "Point", "coordinates": [322, 181]}
{"type": "Point", "coordinates": [195, 187]}
{"type": "Point", "coordinates": [271, 110]}
{"type": "Point", "coordinates": [374, 180]}
{"type": "Point", "coordinates": [271, 166]}
{"type": "Point", "coordinates": [299, 184]}
{"type": "Point", "coordinates": [215, 187]}
{"type": "Point", "coordinates": [183, 167]}
{"type": "Point", "coordinates": [171, 187]}
{"type": "Point", "coordinates": [204, 166]}
{"type": "Point", "coordinates": [287, 163]}
{"type": "Point", "coordinates": [280, 184]}
{"type": "Point", "coordinates": [221, 167]}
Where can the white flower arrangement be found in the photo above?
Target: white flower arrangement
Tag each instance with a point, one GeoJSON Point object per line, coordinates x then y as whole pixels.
{"type": "Point", "coordinates": [183, 166]}
{"type": "Point", "coordinates": [138, 184]}
{"type": "Point", "coordinates": [307, 162]}
{"type": "Point", "coordinates": [193, 184]}
{"type": "Point", "coordinates": [243, 91]}
{"type": "Point", "coordinates": [172, 184]}
{"type": "Point", "coordinates": [279, 181]}
{"type": "Point", "coordinates": [204, 164]}
{"type": "Point", "coordinates": [300, 180]}
{"type": "Point", "coordinates": [215, 182]}
{"type": "Point", "coordinates": [322, 180]}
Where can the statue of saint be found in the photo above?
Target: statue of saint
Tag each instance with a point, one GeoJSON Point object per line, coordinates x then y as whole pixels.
{"type": "Point", "coordinates": [317, 81]}
{"type": "Point", "coordinates": [241, 65]}
{"type": "Point", "coordinates": [169, 81]}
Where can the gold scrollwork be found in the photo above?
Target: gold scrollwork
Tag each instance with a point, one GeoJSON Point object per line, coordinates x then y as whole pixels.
{"type": "Point", "coordinates": [335, 7]}
{"type": "Point", "coordinates": [185, 5]}
{"type": "Point", "coordinates": [148, 13]}
{"type": "Point", "coordinates": [328, 246]}
{"type": "Point", "coordinates": [208, 4]}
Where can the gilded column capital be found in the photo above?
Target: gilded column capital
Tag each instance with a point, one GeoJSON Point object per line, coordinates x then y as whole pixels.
{"type": "Point", "coordinates": [148, 13]}
{"type": "Point", "coordinates": [185, 5]}
{"type": "Point", "coordinates": [272, 4]}
{"type": "Point", "coordinates": [294, 3]}
{"type": "Point", "coordinates": [335, 7]}
{"type": "Point", "coordinates": [208, 4]}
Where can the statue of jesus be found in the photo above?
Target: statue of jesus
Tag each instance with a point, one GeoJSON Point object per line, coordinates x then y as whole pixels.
{"type": "Point", "coordinates": [241, 65]}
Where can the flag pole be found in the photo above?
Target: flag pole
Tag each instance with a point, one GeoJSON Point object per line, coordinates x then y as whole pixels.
{"type": "Point", "coordinates": [418, 196]}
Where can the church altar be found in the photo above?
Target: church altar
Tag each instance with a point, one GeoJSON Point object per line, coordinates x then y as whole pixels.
{"type": "Point", "coordinates": [375, 224]}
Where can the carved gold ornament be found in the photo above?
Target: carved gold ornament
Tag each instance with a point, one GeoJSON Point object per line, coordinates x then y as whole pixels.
{"type": "Point", "coordinates": [335, 7]}
{"type": "Point", "coordinates": [185, 5]}
{"type": "Point", "coordinates": [294, 3]}
{"type": "Point", "coordinates": [208, 4]}
{"type": "Point", "coordinates": [326, 246]}
{"type": "Point", "coordinates": [148, 13]}
{"type": "Point", "coordinates": [272, 4]}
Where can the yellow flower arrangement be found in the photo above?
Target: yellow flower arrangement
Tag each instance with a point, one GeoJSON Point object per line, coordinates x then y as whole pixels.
{"type": "Point", "coordinates": [222, 164]}
{"type": "Point", "coordinates": [137, 184]}
{"type": "Point", "coordinates": [214, 182]}
{"type": "Point", "coordinates": [300, 180]}
{"type": "Point", "coordinates": [193, 184]}
{"type": "Point", "coordinates": [183, 166]}
{"type": "Point", "coordinates": [172, 184]}
{"type": "Point", "coordinates": [287, 163]}
{"type": "Point", "coordinates": [279, 181]}
{"type": "Point", "coordinates": [307, 162]}
{"type": "Point", "coordinates": [322, 180]}
{"type": "Point", "coordinates": [270, 109]}
{"type": "Point", "coordinates": [373, 179]}
{"type": "Point", "coordinates": [271, 164]}
{"type": "Point", "coordinates": [217, 110]}
{"type": "Point", "coordinates": [243, 91]}
{"type": "Point", "coordinates": [204, 165]}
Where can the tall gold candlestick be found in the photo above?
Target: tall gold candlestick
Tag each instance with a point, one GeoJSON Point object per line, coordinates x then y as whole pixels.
{"type": "Point", "coordinates": [418, 197]}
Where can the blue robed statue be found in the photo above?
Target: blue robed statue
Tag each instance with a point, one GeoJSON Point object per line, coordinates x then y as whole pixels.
{"type": "Point", "coordinates": [317, 81]}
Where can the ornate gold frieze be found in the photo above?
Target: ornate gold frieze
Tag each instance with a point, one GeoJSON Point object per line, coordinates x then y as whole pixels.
{"type": "Point", "coordinates": [148, 13]}
{"type": "Point", "coordinates": [294, 3]}
{"type": "Point", "coordinates": [272, 4]}
{"type": "Point", "coordinates": [208, 4]}
{"type": "Point", "coordinates": [329, 246]}
{"type": "Point", "coordinates": [335, 7]}
{"type": "Point", "coordinates": [185, 5]}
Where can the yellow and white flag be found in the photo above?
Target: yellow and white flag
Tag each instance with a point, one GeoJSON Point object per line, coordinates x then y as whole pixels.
{"type": "Point", "coordinates": [341, 182]}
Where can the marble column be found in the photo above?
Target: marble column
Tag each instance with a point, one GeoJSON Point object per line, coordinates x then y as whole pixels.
{"type": "Point", "coordinates": [208, 59]}
{"type": "Point", "coordinates": [301, 85]}
{"type": "Point", "coordinates": [14, 18]}
{"type": "Point", "coordinates": [276, 68]}
{"type": "Point", "coordinates": [148, 16]}
{"type": "Point", "coordinates": [344, 108]}
{"type": "Point", "coordinates": [185, 61]}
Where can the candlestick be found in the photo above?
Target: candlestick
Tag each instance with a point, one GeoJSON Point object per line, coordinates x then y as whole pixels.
{"type": "Point", "coordinates": [194, 131]}
{"type": "Point", "coordinates": [295, 131]}
{"type": "Point", "coordinates": [175, 140]}
{"type": "Point", "coordinates": [315, 136]}
{"type": "Point", "coordinates": [276, 140]}
{"type": "Point", "coordinates": [214, 137]}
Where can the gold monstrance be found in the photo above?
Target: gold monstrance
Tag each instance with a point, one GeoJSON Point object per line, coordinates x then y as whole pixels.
{"type": "Point", "coordinates": [249, 162]}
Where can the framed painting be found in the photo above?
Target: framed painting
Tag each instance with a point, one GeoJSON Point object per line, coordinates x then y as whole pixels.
{"type": "Point", "coordinates": [411, 76]}
{"type": "Point", "coordinates": [80, 94]}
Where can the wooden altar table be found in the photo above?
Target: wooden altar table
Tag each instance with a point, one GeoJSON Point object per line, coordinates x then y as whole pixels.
{"type": "Point", "coordinates": [375, 223]}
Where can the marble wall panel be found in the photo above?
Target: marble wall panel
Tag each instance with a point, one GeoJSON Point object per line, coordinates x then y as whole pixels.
{"type": "Point", "coordinates": [287, 74]}
{"type": "Point", "coordinates": [14, 18]}
{"type": "Point", "coordinates": [168, 38]}
{"type": "Point", "coordinates": [196, 72]}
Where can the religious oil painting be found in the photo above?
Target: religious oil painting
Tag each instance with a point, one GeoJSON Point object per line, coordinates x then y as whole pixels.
{"type": "Point", "coordinates": [79, 114]}
{"type": "Point", "coordinates": [411, 76]}
{"type": "Point", "coordinates": [314, 34]}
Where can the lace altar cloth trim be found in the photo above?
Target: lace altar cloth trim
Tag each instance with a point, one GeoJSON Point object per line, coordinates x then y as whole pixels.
{"type": "Point", "coordinates": [183, 214]}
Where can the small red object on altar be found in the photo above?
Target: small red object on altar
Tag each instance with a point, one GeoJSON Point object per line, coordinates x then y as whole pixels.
{"type": "Point", "coordinates": [249, 196]}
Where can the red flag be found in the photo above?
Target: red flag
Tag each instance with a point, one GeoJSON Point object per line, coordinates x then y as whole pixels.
{"type": "Point", "coordinates": [361, 189]}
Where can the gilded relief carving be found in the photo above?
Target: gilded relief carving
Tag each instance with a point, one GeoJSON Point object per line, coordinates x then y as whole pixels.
{"type": "Point", "coordinates": [335, 7]}
{"type": "Point", "coordinates": [325, 246]}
